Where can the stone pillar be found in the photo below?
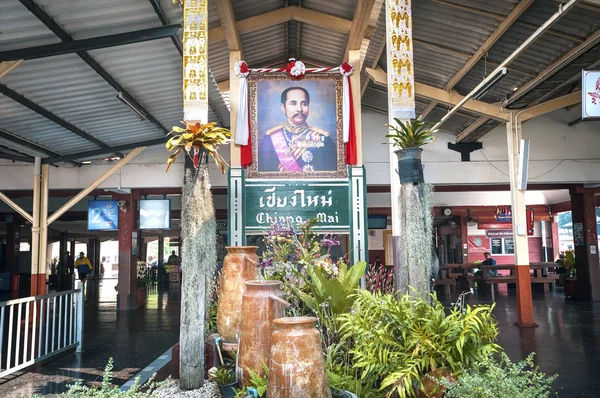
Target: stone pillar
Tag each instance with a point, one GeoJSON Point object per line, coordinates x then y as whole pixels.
{"type": "Point", "coordinates": [128, 253]}
{"type": "Point", "coordinates": [585, 236]}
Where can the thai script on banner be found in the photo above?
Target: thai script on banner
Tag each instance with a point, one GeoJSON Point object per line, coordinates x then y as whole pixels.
{"type": "Point", "coordinates": [295, 203]}
{"type": "Point", "coordinates": [195, 60]}
{"type": "Point", "coordinates": [400, 66]}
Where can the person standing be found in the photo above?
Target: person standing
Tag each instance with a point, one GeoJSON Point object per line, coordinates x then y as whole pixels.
{"type": "Point", "coordinates": [83, 267]}
{"type": "Point", "coordinates": [173, 259]}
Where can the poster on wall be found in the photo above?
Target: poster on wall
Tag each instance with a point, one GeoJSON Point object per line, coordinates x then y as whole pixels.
{"type": "Point", "coordinates": [297, 126]}
{"type": "Point", "coordinates": [478, 244]}
{"type": "Point", "coordinates": [590, 94]}
{"type": "Point", "coordinates": [103, 215]}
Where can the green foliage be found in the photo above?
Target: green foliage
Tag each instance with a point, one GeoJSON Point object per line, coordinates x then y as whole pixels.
{"type": "Point", "coordinates": [337, 293]}
{"type": "Point", "coordinates": [259, 383]}
{"type": "Point", "coordinates": [401, 340]}
{"type": "Point", "coordinates": [107, 389]}
{"type": "Point", "coordinates": [567, 261]}
{"type": "Point", "coordinates": [490, 378]}
{"type": "Point", "coordinates": [412, 134]}
{"type": "Point", "coordinates": [223, 376]}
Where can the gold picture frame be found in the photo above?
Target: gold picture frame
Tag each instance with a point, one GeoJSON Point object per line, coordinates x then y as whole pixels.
{"type": "Point", "coordinates": [266, 116]}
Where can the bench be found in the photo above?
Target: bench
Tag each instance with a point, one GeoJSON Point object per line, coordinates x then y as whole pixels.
{"type": "Point", "coordinates": [444, 279]}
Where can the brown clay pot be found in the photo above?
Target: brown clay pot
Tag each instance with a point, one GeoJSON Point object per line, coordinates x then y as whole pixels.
{"type": "Point", "coordinates": [239, 266]}
{"type": "Point", "coordinates": [296, 365]}
{"type": "Point", "coordinates": [429, 386]}
{"type": "Point", "coordinates": [261, 304]}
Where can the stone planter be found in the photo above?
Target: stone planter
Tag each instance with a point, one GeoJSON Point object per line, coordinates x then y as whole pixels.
{"type": "Point", "coordinates": [261, 304]}
{"type": "Point", "coordinates": [239, 266]}
{"type": "Point", "coordinates": [296, 364]}
{"type": "Point", "coordinates": [409, 165]}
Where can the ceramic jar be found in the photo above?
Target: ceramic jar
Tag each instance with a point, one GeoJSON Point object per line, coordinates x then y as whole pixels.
{"type": "Point", "coordinates": [261, 305]}
{"type": "Point", "coordinates": [239, 266]}
{"type": "Point", "coordinates": [296, 364]}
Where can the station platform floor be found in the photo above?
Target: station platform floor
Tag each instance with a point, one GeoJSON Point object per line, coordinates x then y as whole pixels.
{"type": "Point", "coordinates": [566, 342]}
{"type": "Point", "coordinates": [133, 339]}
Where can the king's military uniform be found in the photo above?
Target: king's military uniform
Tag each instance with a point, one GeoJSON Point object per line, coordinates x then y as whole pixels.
{"type": "Point", "coordinates": [297, 148]}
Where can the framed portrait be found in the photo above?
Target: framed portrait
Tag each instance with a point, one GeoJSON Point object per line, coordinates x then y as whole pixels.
{"type": "Point", "coordinates": [296, 126]}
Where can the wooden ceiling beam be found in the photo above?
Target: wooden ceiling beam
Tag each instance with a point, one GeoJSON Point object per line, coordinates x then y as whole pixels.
{"type": "Point", "coordinates": [7, 66]}
{"type": "Point", "coordinates": [436, 94]}
{"type": "Point", "coordinates": [551, 106]}
{"type": "Point", "coordinates": [474, 126]}
{"type": "Point", "coordinates": [229, 25]}
{"type": "Point", "coordinates": [282, 15]}
{"type": "Point", "coordinates": [360, 22]}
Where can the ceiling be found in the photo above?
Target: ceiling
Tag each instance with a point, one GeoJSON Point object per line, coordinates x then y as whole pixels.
{"type": "Point", "coordinates": [65, 107]}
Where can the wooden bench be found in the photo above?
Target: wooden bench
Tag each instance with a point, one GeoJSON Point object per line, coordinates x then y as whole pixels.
{"type": "Point", "coordinates": [444, 279]}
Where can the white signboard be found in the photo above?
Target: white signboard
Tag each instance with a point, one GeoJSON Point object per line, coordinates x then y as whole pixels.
{"type": "Point", "coordinates": [590, 92]}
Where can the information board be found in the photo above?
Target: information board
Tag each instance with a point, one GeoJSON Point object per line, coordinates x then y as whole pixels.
{"type": "Point", "coordinates": [296, 202]}
{"type": "Point", "coordinates": [103, 215]}
{"type": "Point", "coordinates": [155, 214]}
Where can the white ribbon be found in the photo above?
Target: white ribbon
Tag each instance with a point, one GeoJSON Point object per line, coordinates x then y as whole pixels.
{"type": "Point", "coordinates": [346, 110]}
{"type": "Point", "coordinates": [241, 125]}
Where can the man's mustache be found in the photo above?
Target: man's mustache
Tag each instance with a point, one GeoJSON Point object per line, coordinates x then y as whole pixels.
{"type": "Point", "coordinates": [300, 114]}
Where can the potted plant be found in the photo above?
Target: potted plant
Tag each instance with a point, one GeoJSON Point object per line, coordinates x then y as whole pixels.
{"type": "Point", "coordinates": [225, 378]}
{"type": "Point", "coordinates": [568, 272]}
{"type": "Point", "coordinates": [141, 282]}
{"type": "Point", "coordinates": [408, 137]}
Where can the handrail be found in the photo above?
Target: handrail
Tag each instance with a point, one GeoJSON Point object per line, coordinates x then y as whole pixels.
{"type": "Point", "coordinates": [33, 298]}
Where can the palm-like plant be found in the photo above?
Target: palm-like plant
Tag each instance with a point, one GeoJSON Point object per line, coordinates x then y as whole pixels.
{"type": "Point", "coordinates": [411, 134]}
{"type": "Point", "coordinates": [195, 137]}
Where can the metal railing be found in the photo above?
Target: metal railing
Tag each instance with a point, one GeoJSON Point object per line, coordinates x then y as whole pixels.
{"type": "Point", "coordinates": [35, 328]}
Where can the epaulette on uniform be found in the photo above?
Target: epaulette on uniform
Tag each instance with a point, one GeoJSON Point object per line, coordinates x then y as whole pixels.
{"type": "Point", "coordinates": [274, 129]}
{"type": "Point", "coordinates": [318, 130]}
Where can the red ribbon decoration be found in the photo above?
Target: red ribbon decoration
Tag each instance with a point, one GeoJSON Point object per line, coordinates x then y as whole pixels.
{"type": "Point", "coordinates": [351, 144]}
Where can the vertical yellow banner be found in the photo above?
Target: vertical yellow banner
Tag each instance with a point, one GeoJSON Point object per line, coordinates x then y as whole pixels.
{"type": "Point", "coordinates": [400, 66]}
{"type": "Point", "coordinates": [195, 61]}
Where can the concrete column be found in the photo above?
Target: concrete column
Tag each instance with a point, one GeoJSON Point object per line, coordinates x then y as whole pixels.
{"type": "Point", "coordinates": [555, 238]}
{"type": "Point", "coordinates": [91, 255]}
{"type": "Point", "coordinates": [128, 253]}
{"type": "Point", "coordinates": [583, 210]}
{"type": "Point", "coordinates": [13, 242]}
{"type": "Point", "coordinates": [161, 249]}
{"type": "Point", "coordinates": [524, 300]}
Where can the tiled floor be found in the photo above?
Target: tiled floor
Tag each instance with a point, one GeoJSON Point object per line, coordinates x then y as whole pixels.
{"type": "Point", "coordinates": [566, 342]}
{"type": "Point", "coordinates": [132, 339]}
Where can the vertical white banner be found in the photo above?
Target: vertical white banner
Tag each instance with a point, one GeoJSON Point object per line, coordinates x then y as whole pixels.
{"type": "Point", "coordinates": [400, 66]}
{"type": "Point", "coordinates": [195, 61]}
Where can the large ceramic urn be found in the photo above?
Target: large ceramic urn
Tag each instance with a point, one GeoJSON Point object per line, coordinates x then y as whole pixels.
{"type": "Point", "coordinates": [296, 364]}
{"type": "Point", "coordinates": [261, 304]}
{"type": "Point", "coordinates": [239, 266]}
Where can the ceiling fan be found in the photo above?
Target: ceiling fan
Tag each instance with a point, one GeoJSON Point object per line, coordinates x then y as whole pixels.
{"type": "Point", "coordinates": [470, 221]}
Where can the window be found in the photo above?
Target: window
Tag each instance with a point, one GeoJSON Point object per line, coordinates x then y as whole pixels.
{"type": "Point", "coordinates": [502, 246]}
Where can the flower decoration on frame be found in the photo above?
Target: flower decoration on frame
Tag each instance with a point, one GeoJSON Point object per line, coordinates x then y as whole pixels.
{"type": "Point", "coordinates": [296, 69]}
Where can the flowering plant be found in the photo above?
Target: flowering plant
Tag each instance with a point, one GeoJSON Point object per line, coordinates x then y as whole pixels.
{"type": "Point", "coordinates": [296, 69]}
{"type": "Point", "coordinates": [380, 280]}
{"type": "Point", "coordinates": [346, 69]}
{"type": "Point", "coordinates": [241, 69]}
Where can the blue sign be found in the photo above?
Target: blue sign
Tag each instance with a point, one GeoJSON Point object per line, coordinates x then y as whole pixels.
{"type": "Point", "coordinates": [103, 215]}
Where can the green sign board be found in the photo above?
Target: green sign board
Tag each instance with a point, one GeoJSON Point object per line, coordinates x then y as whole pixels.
{"type": "Point", "coordinates": [296, 202]}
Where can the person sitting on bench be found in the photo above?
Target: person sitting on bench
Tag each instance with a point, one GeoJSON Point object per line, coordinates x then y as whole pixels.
{"type": "Point", "coordinates": [488, 261]}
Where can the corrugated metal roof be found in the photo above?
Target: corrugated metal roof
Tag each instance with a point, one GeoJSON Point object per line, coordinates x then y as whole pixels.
{"type": "Point", "coordinates": [249, 8]}
{"type": "Point", "coordinates": [339, 8]}
{"type": "Point", "coordinates": [321, 45]}
{"type": "Point", "coordinates": [264, 47]}
{"type": "Point", "coordinates": [19, 28]}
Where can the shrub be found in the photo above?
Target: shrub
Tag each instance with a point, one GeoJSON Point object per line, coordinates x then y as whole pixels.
{"type": "Point", "coordinates": [491, 378]}
{"type": "Point", "coordinates": [107, 389]}
{"type": "Point", "coordinates": [400, 341]}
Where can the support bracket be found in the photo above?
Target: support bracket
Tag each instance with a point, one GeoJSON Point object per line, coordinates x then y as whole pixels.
{"type": "Point", "coordinates": [465, 149]}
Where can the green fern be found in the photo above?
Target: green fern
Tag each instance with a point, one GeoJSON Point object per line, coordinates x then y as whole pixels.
{"type": "Point", "coordinates": [411, 134]}
{"type": "Point", "coordinates": [402, 340]}
{"type": "Point", "coordinates": [258, 382]}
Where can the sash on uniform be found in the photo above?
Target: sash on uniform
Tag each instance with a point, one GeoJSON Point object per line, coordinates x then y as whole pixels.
{"type": "Point", "coordinates": [282, 150]}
